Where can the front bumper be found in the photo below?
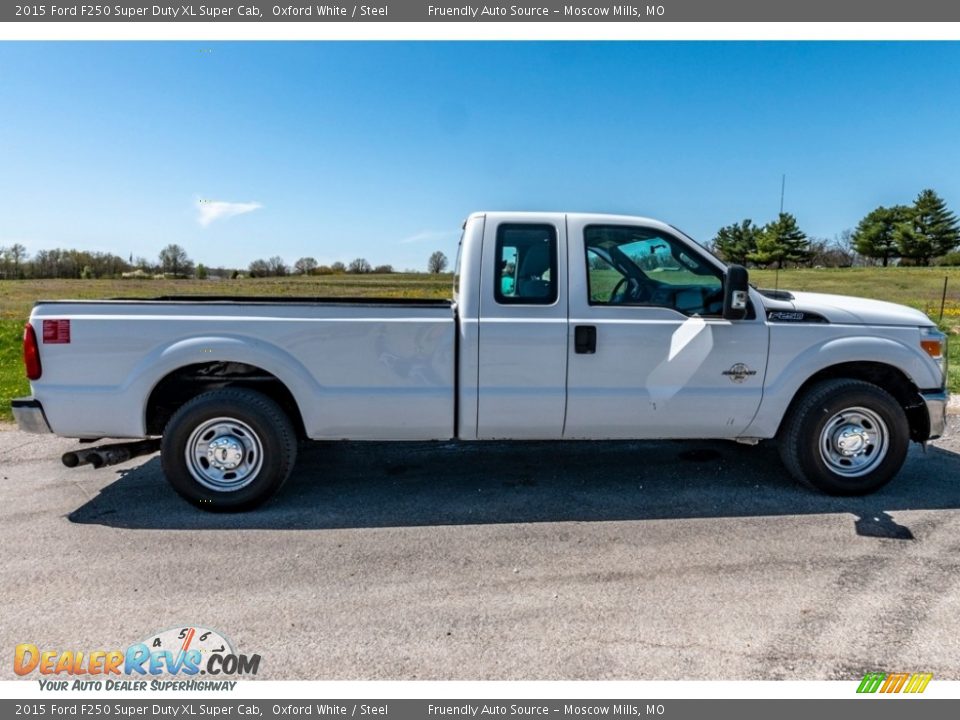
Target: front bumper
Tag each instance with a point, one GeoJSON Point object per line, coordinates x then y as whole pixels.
{"type": "Point", "coordinates": [936, 403]}
{"type": "Point", "coordinates": [29, 415]}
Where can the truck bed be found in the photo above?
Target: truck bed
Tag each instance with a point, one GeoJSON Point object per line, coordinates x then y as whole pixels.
{"type": "Point", "coordinates": [358, 365]}
{"type": "Point", "coordinates": [270, 300]}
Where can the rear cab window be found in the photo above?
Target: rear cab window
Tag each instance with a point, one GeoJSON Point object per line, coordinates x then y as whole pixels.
{"type": "Point", "coordinates": [526, 264]}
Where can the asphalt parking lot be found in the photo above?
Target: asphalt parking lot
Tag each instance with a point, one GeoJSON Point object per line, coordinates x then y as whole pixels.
{"type": "Point", "coordinates": [663, 560]}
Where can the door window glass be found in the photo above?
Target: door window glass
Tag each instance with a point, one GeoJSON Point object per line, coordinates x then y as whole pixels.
{"type": "Point", "coordinates": [629, 265]}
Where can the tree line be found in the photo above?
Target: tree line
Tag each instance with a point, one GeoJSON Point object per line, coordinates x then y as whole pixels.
{"type": "Point", "coordinates": [918, 234]}
{"type": "Point", "coordinates": [173, 262]}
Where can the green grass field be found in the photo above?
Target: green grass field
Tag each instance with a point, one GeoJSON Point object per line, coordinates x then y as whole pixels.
{"type": "Point", "coordinates": [918, 287]}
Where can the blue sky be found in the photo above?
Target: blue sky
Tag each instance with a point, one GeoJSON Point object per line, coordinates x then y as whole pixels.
{"type": "Point", "coordinates": [380, 149]}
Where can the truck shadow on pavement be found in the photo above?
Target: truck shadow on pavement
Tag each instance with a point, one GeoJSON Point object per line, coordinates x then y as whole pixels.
{"type": "Point", "coordinates": [369, 485]}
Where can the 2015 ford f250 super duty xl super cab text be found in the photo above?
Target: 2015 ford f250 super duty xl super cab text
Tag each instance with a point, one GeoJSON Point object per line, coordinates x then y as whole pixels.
{"type": "Point", "coordinates": [562, 326]}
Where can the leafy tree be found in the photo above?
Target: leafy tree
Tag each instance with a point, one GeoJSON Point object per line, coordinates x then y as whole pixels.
{"type": "Point", "coordinates": [259, 268]}
{"type": "Point", "coordinates": [278, 268]}
{"type": "Point", "coordinates": [933, 230]}
{"type": "Point", "coordinates": [18, 255]}
{"type": "Point", "coordinates": [44, 264]}
{"type": "Point", "coordinates": [877, 233]}
{"type": "Point", "coordinates": [305, 266]}
{"type": "Point", "coordinates": [338, 267]}
{"type": "Point", "coordinates": [830, 253]}
{"type": "Point", "coordinates": [437, 263]}
{"type": "Point", "coordinates": [736, 242]}
{"type": "Point", "coordinates": [174, 260]}
{"type": "Point", "coordinates": [201, 272]}
{"type": "Point", "coordinates": [781, 241]}
{"type": "Point", "coordinates": [359, 266]}
{"type": "Point", "coordinates": [383, 269]}
{"type": "Point", "coordinates": [13, 257]}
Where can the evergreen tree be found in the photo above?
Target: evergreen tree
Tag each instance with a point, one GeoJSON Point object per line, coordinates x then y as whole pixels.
{"type": "Point", "coordinates": [735, 242]}
{"type": "Point", "coordinates": [781, 241]}
{"type": "Point", "coordinates": [911, 244]}
{"type": "Point", "coordinates": [935, 230]}
{"type": "Point", "coordinates": [768, 250]}
{"type": "Point", "coordinates": [877, 234]}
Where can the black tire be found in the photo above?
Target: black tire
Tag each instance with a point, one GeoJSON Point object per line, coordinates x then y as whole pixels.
{"type": "Point", "coordinates": [239, 428]}
{"type": "Point", "coordinates": [825, 441]}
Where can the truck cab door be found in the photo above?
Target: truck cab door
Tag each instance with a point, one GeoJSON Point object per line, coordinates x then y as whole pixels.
{"type": "Point", "coordinates": [522, 339]}
{"type": "Point", "coordinates": [650, 354]}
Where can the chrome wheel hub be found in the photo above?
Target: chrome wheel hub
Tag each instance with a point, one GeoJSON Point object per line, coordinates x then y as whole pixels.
{"type": "Point", "coordinates": [852, 439]}
{"type": "Point", "coordinates": [854, 442]}
{"type": "Point", "coordinates": [224, 454]}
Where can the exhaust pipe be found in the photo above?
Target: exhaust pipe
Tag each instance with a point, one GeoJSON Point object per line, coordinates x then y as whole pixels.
{"type": "Point", "coordinates": [110, 454]}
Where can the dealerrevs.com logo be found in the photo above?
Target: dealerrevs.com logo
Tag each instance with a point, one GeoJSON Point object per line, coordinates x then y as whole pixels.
{"type": "Point", "coordinates": [183, 652]}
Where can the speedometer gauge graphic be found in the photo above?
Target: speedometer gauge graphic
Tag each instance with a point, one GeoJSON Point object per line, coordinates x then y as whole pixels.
{"type": "Point", "coordinates": [184, 638]}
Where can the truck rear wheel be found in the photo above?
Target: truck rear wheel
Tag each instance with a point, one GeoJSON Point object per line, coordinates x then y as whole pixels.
{"type": "Point", "coordinates": [228, 450]}
{"type": "Point", "coordinates": [845, 437]}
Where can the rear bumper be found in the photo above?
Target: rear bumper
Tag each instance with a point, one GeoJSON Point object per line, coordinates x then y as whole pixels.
{"type": "Point", "coordinates": [29, 415]}
{"type": "Point", "coordinates": [936, 403]}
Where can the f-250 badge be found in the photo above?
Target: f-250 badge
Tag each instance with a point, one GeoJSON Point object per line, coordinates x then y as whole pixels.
{"type": "Point", "coordinates": [739, 372]}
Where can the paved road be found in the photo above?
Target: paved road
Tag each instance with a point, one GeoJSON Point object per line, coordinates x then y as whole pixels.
{"type": "Point", "coordinates": [524, 561]}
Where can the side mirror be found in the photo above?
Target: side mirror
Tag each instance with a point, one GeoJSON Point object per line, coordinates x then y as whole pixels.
{"type": "Point", "coordinates": [735, 293]}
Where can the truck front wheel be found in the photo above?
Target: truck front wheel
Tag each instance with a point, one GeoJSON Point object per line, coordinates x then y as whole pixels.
{"type": "Point", "coordinates": [845, 437]}
{"type": "Point", "coordinates": [228, 450]}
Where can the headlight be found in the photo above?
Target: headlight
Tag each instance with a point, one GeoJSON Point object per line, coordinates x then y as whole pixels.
{"type": "Point", "coordinates": [934, 344]}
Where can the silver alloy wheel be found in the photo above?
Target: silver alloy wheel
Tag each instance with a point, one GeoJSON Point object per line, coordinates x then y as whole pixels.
{"type": "Point", "coordinates": [854, 441]}
{"type": "Point", "coordinates": [224, 454]}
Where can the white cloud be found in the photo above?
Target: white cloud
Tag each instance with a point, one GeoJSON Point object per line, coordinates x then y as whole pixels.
{"type": "Point", "coordinates": [428, 235]}
{"type": "Point", "coordinates": [211, 210]}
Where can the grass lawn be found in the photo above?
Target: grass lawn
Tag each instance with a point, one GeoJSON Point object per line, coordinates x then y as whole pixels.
{"type": "Point", "coordinates": [918, 287]}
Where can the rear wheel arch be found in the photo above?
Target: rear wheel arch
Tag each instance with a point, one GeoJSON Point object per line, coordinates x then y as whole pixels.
{"type": "Point", "coordinates": [180, 386]}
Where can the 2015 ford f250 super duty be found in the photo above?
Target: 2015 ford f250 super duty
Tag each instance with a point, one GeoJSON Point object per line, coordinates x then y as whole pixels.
{"type": "Point", "coordinates": [562, 326]}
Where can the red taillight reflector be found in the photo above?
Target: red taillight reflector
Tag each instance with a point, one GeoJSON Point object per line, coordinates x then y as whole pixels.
{"type": "Point", "coordinates": [31, 353]}
{"type": "Point", "coordinates": [56, 331]}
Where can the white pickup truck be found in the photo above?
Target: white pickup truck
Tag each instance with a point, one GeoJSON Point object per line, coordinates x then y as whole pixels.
{"type": "Point", "coordinates": [561, 327]}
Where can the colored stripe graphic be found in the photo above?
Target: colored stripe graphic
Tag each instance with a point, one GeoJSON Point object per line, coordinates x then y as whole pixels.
{"type": "Point", "coordinates": [918, 682]}
{"type": "Point", "coordinates": [894, 682]}
{"type": "Point", "coordinates": [871, 682]}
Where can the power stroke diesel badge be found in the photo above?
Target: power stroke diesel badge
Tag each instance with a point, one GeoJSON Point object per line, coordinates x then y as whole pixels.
{"type": "Point", "coordinates": [739, 372]}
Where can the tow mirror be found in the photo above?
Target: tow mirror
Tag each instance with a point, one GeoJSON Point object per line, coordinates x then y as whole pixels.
{"type": "Point", "coordinates": [735, 294]}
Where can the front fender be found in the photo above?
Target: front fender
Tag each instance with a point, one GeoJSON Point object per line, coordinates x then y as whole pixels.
{"type": "Point", "coordinates": [788, 370]}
